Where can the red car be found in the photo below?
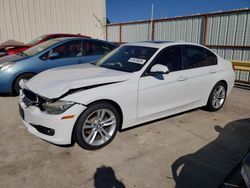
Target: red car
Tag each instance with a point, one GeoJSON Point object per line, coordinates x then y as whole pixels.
{"type": "Point", "coordinates": [13, 47]}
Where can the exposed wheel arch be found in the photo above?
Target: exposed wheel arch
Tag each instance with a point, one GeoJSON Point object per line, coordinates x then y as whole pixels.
{"type": "Point", "coordinates": [18, 77]}
{"type": "Point", "coordinates": [116, 105]}
{"type": "Point", "coordinates": [224, 82]}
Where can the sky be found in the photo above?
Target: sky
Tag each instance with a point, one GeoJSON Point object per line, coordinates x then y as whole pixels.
{"type": "Point", "coordinates": [132, 10]}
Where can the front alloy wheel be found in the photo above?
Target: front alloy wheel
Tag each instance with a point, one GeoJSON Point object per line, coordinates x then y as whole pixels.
{"type": "Point", "coordinates": [97, 126]}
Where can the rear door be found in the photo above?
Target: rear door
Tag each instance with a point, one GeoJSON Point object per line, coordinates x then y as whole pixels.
{"type": "Point", "coordinates": [200, 68]}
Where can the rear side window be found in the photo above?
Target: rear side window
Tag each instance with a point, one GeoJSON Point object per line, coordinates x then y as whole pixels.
{"type": "Point", "coordinates": [211, 58]}
{"type": "Point", "coordinates": [199, 57]}
{"type": "Point", "coordinates": [96, 48]}
{"type": "Point", "coordinates": [171, 57]}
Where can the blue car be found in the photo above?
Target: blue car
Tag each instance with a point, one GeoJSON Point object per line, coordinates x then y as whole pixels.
{"type": "Point", "coordinates": [50, 54]}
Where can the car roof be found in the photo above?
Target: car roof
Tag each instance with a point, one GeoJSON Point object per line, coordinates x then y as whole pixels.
{"type": "Point", "coordinates": [68, 34]}
{"type": "Point", "coordinates": [159, 44]}
{"type": "Point", "coordinates": [59, 39]}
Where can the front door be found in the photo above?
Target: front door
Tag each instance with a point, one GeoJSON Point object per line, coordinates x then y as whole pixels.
{"type": "Point", "coordinates": [163, 92]}
{"type": "Point", "coordinates": [68, 53]}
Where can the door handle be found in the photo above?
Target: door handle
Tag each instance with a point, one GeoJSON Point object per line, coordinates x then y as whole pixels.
{"type": "Point", "coordinates": [182, 78]}
{"type": "Point", "coordinates": [212, 71]}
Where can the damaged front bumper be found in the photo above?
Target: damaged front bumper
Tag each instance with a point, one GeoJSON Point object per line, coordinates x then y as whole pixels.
{"type": "Point", "coordinates": [53, 128]}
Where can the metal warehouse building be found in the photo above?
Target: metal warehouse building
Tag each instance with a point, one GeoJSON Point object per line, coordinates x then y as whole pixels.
{"type": "Point", "coordinates": [24, 20]}
{"type": "Point", "coordinates": [227, 33]}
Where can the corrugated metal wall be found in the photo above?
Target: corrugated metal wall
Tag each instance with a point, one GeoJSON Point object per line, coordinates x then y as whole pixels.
{"type": "Point", "coordinates": [230, 30]}
{"type": "Point", "coordinates": [114, 35]}
{"type": "Point", "coordinates": [129, 32]}
{"type": "Point", "coordinates": [24, 20]}
{"type": "Point", "coordinates": [226, 33]}
{"type": "Point", "coordinates": [135, 32]}
{"type": "Point", "coordinates": [189, 30]}
{"type": "Point", "coordinates": [233, 54]}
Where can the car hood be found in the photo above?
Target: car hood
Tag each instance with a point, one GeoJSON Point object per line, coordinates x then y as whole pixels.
{"type": "Point", "coordinates": [57, 82]}
{"type": "Point", "coordinates": [11, 58]}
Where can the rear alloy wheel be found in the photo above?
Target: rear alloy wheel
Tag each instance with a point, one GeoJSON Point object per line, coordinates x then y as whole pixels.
{"type": "Point", "coordinates": [97, 126]}
{"type": "Point", "coordinates": [217, 97]}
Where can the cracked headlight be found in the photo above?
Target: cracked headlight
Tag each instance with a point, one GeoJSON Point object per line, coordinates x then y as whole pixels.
{"type": "Point", "coordinates": [6, 65]}
{"type": "Point", "coordinates": [57, 107]}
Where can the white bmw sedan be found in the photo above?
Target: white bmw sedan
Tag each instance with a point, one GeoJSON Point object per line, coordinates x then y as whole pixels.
{"type": "Point", "coordinates": [136, 83]}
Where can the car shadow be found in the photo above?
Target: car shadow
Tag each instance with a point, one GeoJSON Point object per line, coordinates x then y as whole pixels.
{"type": "Point", "coordinates": [210, 165]}
{"type": "Point", "coordinates": [157, 120]}
{"type": "Point", "coordinates": [105, 178]}
{"type": "Point", "coordinates": [7, 95]}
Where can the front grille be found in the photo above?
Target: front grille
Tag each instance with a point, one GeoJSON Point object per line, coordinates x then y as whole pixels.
{"type": "Point", "coordinates": [32, 99]}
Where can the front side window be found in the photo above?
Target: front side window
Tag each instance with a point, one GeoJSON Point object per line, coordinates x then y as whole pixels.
{"type": "Point", "coordinates": [127, 58]}
{"type": "Point", "coordinates": [68, 49]}
{"type": "Point", "coordinates": [171, 57]}
{"type": "Point", "coordinates": [95, 48]}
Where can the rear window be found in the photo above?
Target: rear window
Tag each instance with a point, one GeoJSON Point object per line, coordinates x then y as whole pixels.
{"type": "Point", "coordinates": [96, 48]}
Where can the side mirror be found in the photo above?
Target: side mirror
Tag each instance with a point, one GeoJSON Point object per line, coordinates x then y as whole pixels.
{"type": "Point", "coordinates": [54, 55]}
{"type": "Point", "coordinates": [159, 69]}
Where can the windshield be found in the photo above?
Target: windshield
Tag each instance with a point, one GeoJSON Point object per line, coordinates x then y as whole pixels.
{"type": "Point", "coordinates": [35, 41]}
{"type": "Point", "coordinates": [127, 58]}
{"type": "Point", "coordinates": [38, 48]}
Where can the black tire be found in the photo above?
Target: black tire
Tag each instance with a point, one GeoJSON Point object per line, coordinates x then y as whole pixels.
{"type": "Point", "coordinates": [16, 86]}
{"type": "Point", "coordinates": [78, 134]}
{"type": "Point", "coordinates": [210, 106]}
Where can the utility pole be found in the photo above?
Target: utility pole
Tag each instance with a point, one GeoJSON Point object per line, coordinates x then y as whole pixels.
{"type": "Point", "coordinates": [152, 22]}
